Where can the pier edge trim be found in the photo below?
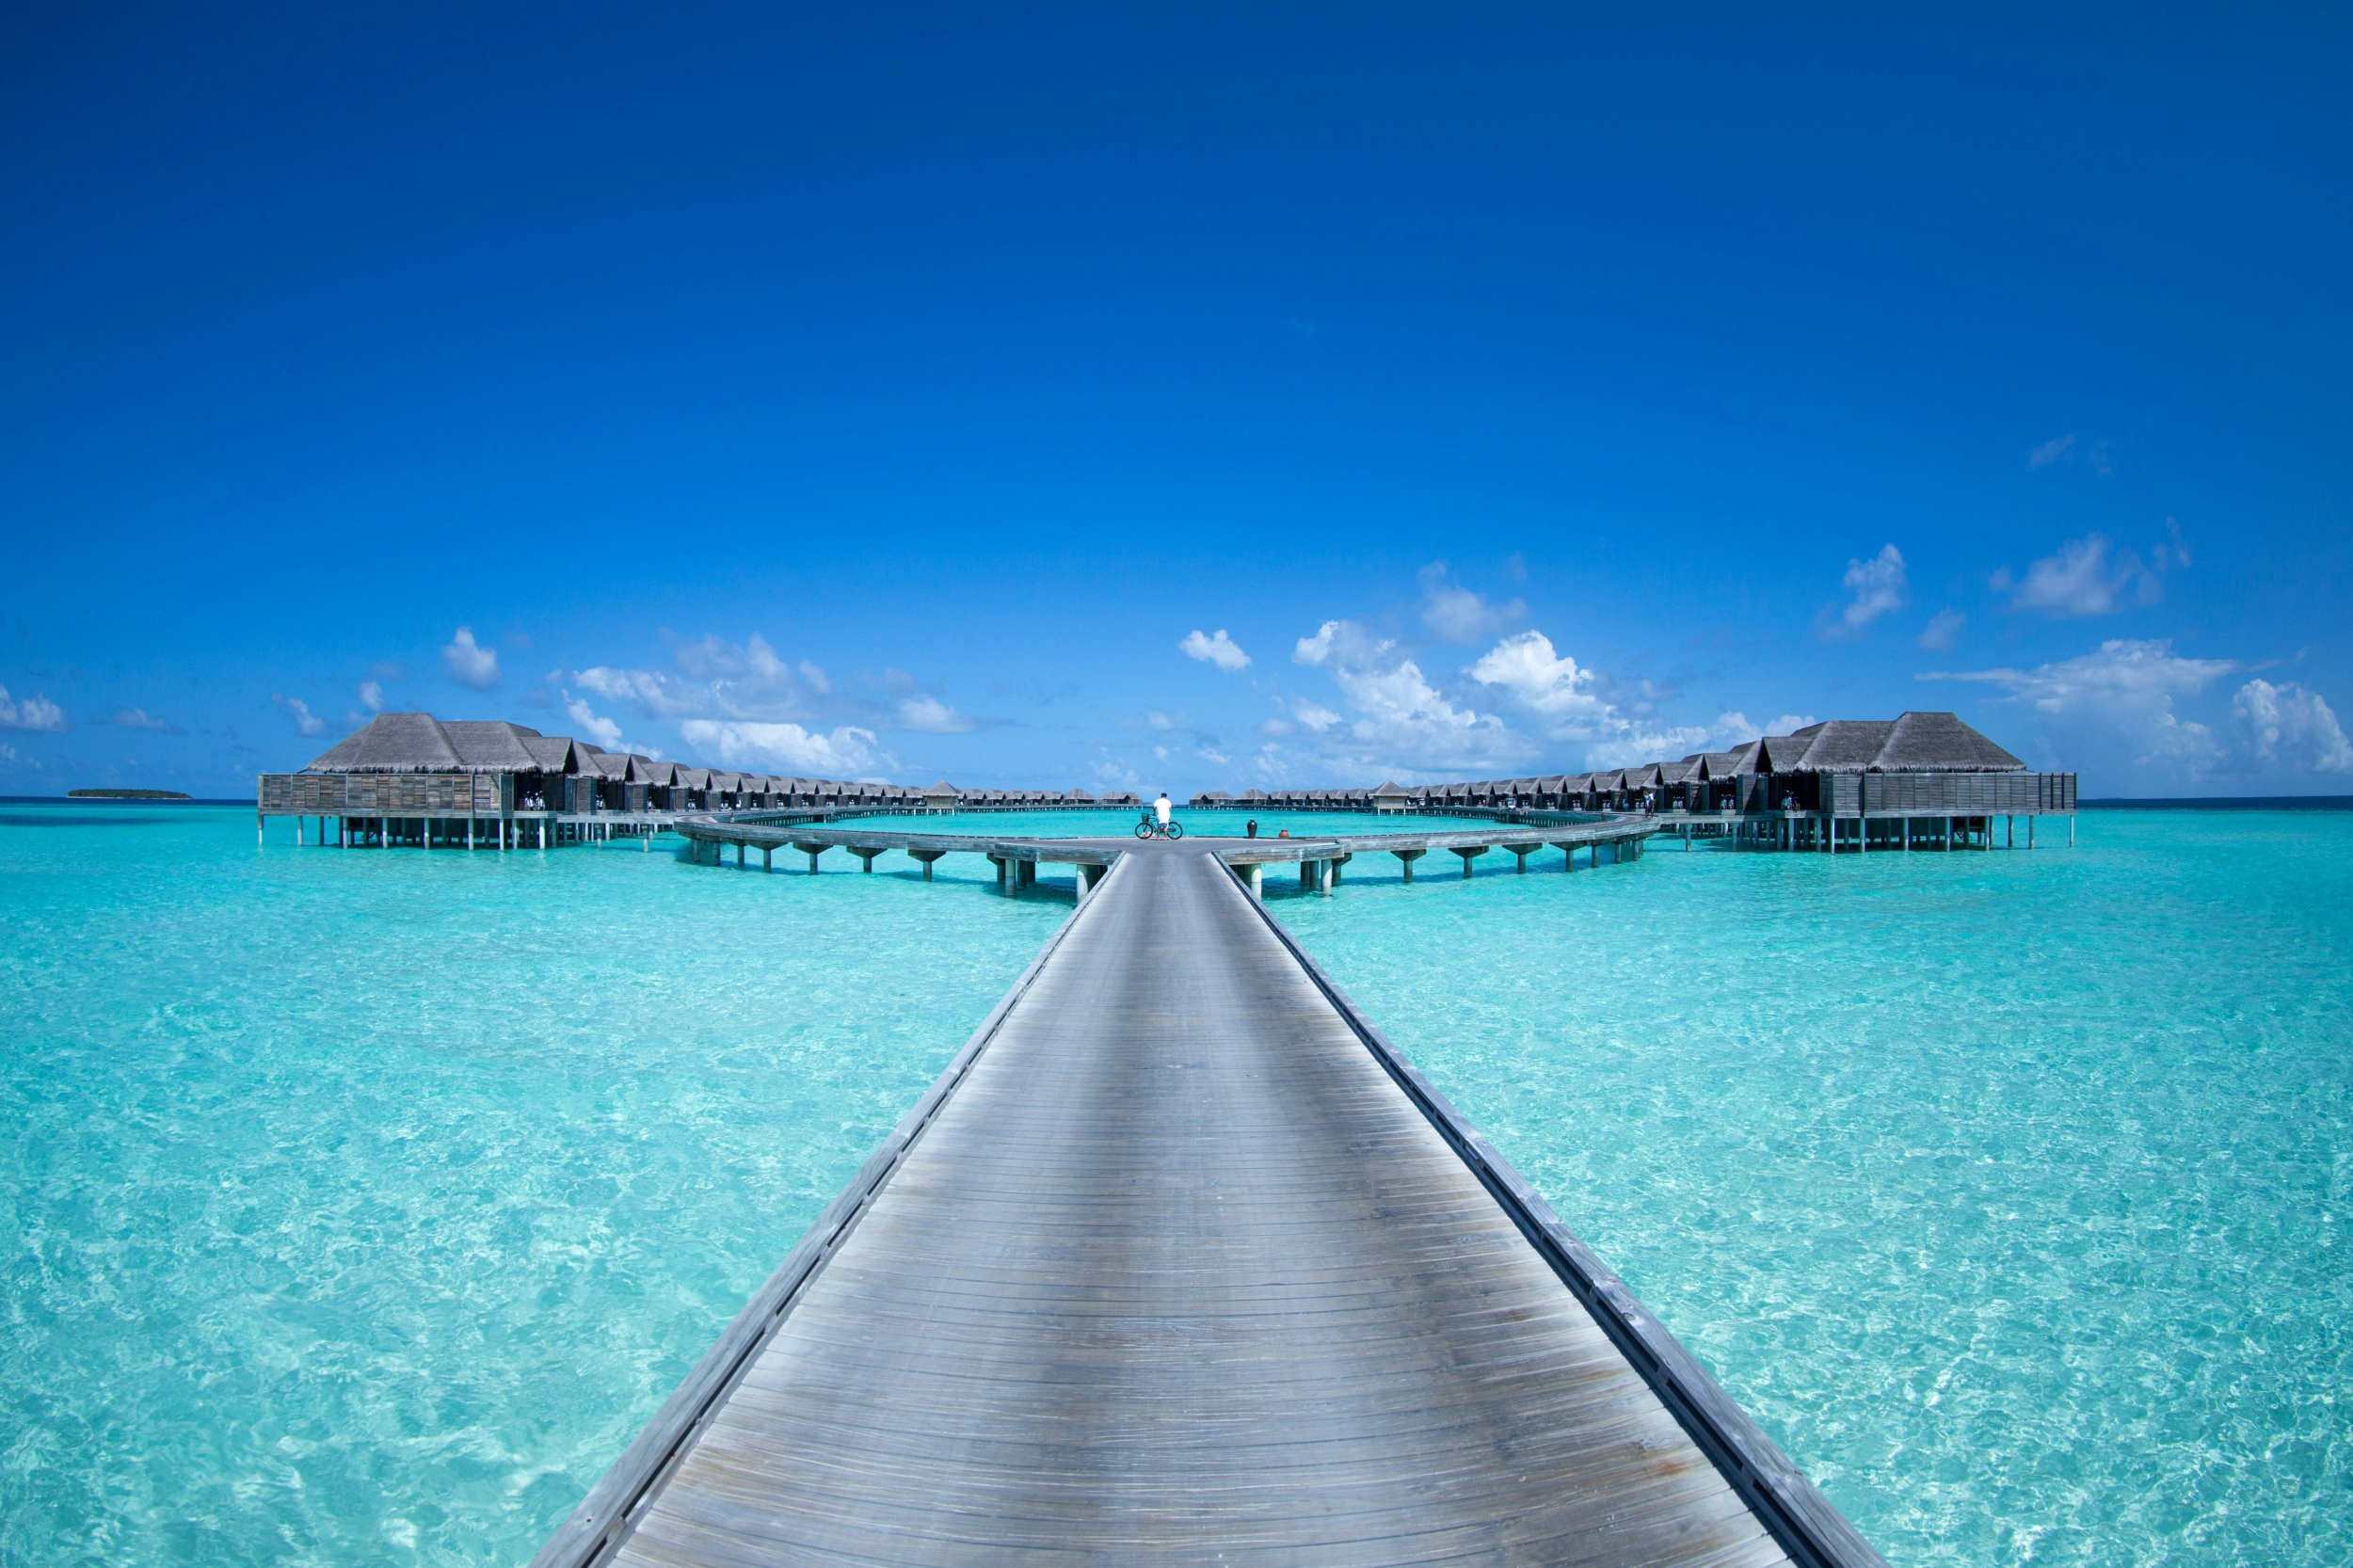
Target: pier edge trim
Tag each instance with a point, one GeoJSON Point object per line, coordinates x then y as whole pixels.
{"type": "Point", "coordinates": [603, 1521]}
{"type": "Point", "coordinates": [1806, 1524]}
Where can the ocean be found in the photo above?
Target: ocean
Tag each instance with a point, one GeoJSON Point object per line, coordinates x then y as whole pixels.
{"type": "Point", "coordinates": [359, 1206]}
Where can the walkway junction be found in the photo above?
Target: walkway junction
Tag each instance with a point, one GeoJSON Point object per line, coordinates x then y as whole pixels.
{"type": "Point", "coordinates": [1179, 1260]}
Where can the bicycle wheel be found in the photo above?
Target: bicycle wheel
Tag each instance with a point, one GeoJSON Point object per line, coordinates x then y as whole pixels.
{"type": "Point", "coordinates": [1144, 830]}
{"type": "Point", "coordinates": [1175, 830]}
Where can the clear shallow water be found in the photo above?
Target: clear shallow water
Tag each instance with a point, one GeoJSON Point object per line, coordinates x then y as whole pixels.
{"type": "Point", "coordinates": [1121, 823]}
{"type": "Point", "coordinates": [359, 1206]}
{"type": "Point", "coordinates": [2009, 1193]}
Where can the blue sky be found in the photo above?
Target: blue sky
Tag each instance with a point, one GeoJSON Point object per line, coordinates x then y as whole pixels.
{"type": "Point", "coordinates": [972, 392]}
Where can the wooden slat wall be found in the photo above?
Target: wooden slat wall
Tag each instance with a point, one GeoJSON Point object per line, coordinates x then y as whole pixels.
{"type": "Point", "coordinates": [391, 794]}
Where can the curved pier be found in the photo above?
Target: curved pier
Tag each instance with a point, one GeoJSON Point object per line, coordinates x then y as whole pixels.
{"type": "Point", "coordinates": [1178, 1262]}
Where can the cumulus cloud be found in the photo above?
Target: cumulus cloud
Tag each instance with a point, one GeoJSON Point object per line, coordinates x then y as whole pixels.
{"type": "Point", "coordinates": [1396, 718]}
{"type": "Point", "coordinates": [305, 722]}
{"type": "Point", "coordinates": [848, 752]}
{"type": "Point", "coordinates": [1544, 681]}
{"type": "Point", "coordinates": [1456, 614]}
{"type": "Point", "coordinates": [737, 680]}
{"type": "Point", "coordinates": [2288, 730]}
{"type": "Point", "coordinates": [33, 712]}
{"type": "Point", "coordinates": [601, 731]}
{"type": "Point", "coordinates": [928, 716]}
{"type": "Point", "coordinates": [2088, 577]}
{"type": "Point", "coordinates": [1312, 715]}
{"type": "Point", "coordinates": [1942, 632]}
{"type": "Point", "coordinates": [470, 664]}
{"type": "Point", "coordinates": [371, 696]}
{"type": "Point", "coordinates": [1529, 674]}
{"type": "Point", "coordinates": [2119, 697]}
{"type": "Point", "coordinates": [1734, 728]}
{"type": "Point", "coordinates": [2117, 707]}
{"type": "Point", "coordinates": [1219, 649]}
{"type": "Point", "coordinates": [1877, 585]}
{"type": "Point", "coordinates": [138, 718]}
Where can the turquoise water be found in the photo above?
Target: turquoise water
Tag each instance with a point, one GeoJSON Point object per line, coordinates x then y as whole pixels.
{"type": "Point", "coordinates": [1121, 823]}
{"type": "Point", "coordinates": [360, 1204]}
{"type": "Point", "coordinates": [2009, 1192]}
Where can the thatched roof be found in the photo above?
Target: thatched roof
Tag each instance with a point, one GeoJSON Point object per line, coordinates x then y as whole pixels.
{"type": "Point", "coordinates": [1841, 745]}
{"type": "Point", "coordinates": [393, 742]}
{"type": "Point", "coordinates": [1940, 742]}
{"type": "Point", "coordinates": [491, 745]}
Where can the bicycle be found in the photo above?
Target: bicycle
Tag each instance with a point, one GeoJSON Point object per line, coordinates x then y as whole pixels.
{"type": "Point", "coordinates": [1148, 828]}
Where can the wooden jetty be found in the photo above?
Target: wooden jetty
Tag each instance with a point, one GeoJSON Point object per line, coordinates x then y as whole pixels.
{"type": "Point", "coordinates": [1181, 1262]}
{"type": "Point", "coordinates": [1320, 861]}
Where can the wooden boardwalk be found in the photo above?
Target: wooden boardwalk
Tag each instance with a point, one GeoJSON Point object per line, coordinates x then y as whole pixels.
{"type": "Point", "coordinates": [1178, 1263]}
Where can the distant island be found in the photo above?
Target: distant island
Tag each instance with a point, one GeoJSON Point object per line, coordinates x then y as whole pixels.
{"type": "Point", "coordinates": [126, 795]}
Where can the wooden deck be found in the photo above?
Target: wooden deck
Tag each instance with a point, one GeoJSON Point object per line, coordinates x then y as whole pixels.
{"type": "Point", "coordinates": [1179, 1263]}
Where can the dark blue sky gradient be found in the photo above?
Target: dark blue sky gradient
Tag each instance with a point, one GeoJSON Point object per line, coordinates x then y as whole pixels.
{"type": "Point", "coordinates": [976, 357]}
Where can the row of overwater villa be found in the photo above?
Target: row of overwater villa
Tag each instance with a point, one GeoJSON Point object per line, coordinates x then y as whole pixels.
{"type": "Point", "coordinates": [1919, 780]}
{"type": "Point", "coordinates": [410, 778]}
{"type": "Point", "coordinates": [1845, 783]}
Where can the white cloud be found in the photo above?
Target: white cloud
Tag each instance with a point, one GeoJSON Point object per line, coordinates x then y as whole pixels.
{"type": "Point", "coordinates": [469, 664]}
{"type": "Point", "coordinates": [1733, 728]}
{"type": "Point", "coordinates": [2083, 579]}
{"type": "Point", "coordinates": [2063, 449]}
{"type": "Point", "coordinates": [1343, 640]}
{"type": "Point", "coordinates": [33, 712]}
{"type": "Point", "coordinates": [745, 680]}
{"type": "Point", "coordinates": [2288, 730]}
{"type": "Point", "coordinates": [1544, 681]}
{"type": "Point", "coordinates": [1217, 757]}
{"type": "Point", "coordinates": [1157, 720]}
{"type": "Point", "coordinates": [1313, 714]}
{"type": "Point", "coordinates": [1942, 632]}
{"type": "Point", "coordinates": [603, 732]}
{"type": "Point", "coordinates": [849, 752]}
{"type": "Point", "coordinates": [1458, 614]}
{"type": "Point", "coordinates": [2117, 698]}
{"type": "Point", "coordinates": [2051, 452]}
{"type": "Point", "coordinates": [655, 694]}
{"type": "Point", "coordinates": [136, 719]}
{"type": "Point", "coordinates": [929, 715]}
{"type": "Point", "coordinates": [1159, 754]}
{"type": "Point", "coordinates": [1878, 586]}
{"type": "Point", "coordinates": [1219, 649]}
{"type": "Point", "coordinates": [371, 696]}
{"type": "Point", "coordinates": [2173, 549]}
{"type": "Point", "coordinates": [305, 722]}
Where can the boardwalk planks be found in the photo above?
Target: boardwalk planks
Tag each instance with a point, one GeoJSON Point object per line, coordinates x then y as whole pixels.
{"type": "Point", "coordinates": [1172, 1267]}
